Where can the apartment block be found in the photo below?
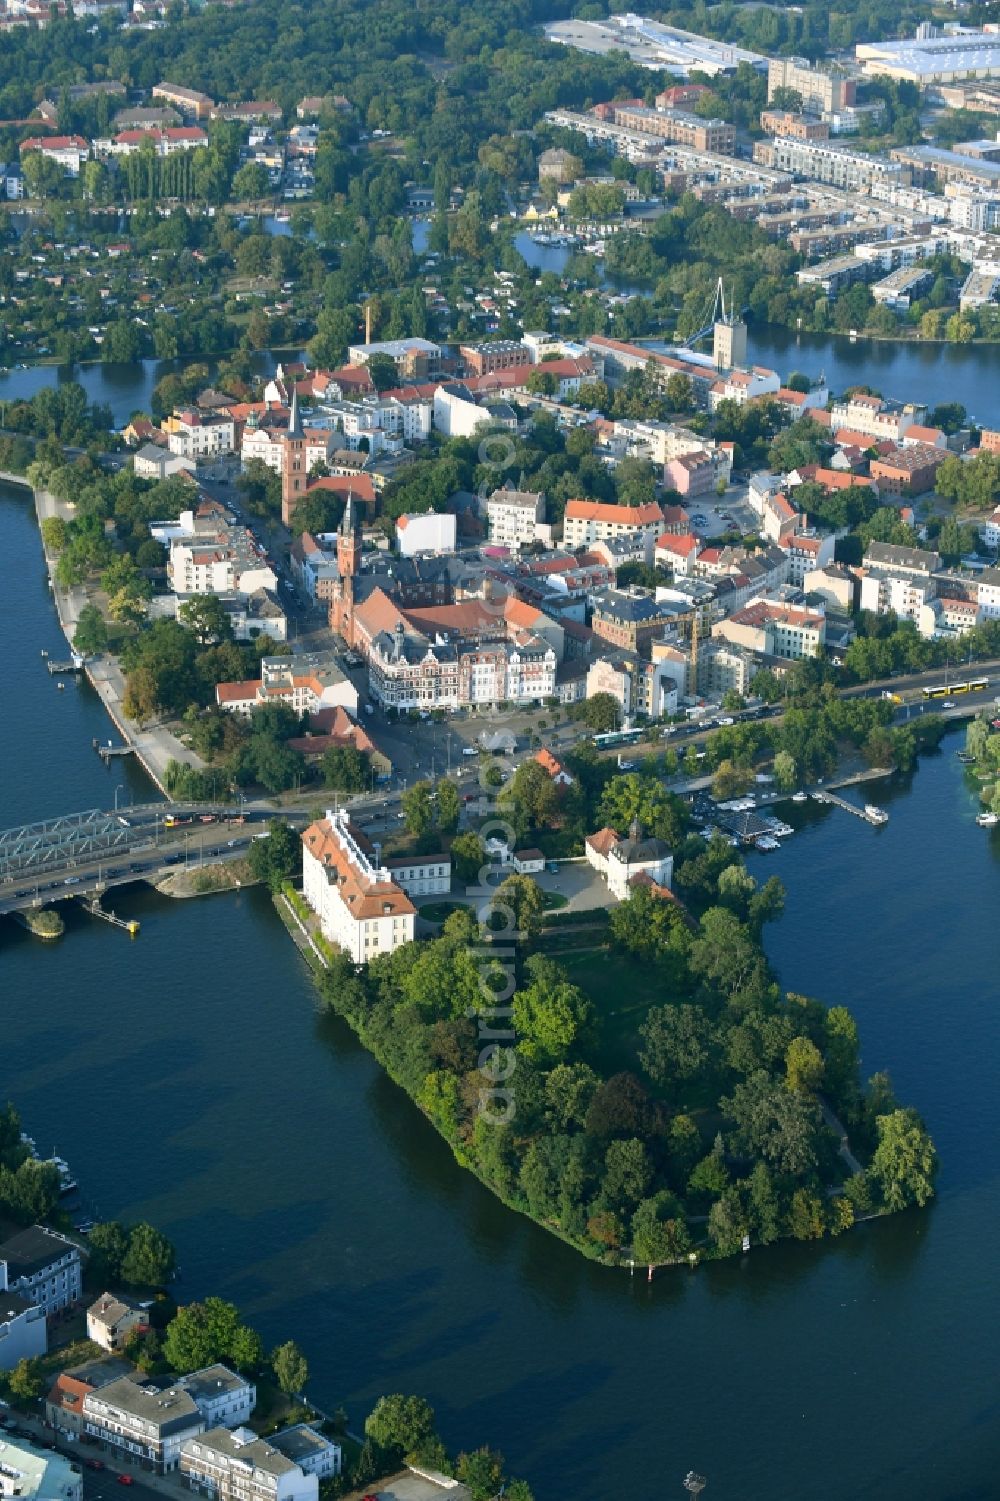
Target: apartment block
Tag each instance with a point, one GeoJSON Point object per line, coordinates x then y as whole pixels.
{"type": "Point", "coordinates": [774, 629]}
{"type": "Point", "coordinates": [680, 128]}
{"type": "Point", "coordinates": [42, 1267]}
{"type": "Point", "coordinates": [239, 1466]}
{"type": "Point", "coordinates": [588, 521]}
{"type": "Point", "coordinates": [818, 88]}
{"type": "Point", "coordinates": [514, 516]}
{"type": "Point", "coordinates": [494, 355]}
{"type": "Point", "coordinates": [821, 161]}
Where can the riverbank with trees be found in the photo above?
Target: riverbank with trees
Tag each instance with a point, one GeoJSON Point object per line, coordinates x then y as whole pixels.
{"type": "Point", "coordinates": [182, 1338]}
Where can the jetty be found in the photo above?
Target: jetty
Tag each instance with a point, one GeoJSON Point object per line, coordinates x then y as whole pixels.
{"type": "Point", "coordinates": [869, 814]}
{"type": "Point", "coordinates": [110, 752]}
{"type": "Point", "coordinates": [75, 664]}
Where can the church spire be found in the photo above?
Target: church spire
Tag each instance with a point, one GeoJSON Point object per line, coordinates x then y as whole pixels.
{"type": "Point", "coordinates": [294, 420]}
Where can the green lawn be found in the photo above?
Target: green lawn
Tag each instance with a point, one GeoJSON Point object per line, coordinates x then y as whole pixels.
{"type": "Point", "coordinates": [623, 991]}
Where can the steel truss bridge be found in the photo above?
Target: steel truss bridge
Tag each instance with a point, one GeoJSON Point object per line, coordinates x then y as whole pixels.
{"type": "Point", "coordinates": [73, 838]}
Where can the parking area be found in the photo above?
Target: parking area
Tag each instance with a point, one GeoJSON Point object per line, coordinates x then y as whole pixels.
{"type": "Point", "coordinates": [410, 1487]}
{"type": "Point", "coordinates": [711, 515]}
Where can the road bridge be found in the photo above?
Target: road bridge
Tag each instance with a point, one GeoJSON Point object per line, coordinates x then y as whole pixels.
{"type": "Point", "coordinates": [85, 854]}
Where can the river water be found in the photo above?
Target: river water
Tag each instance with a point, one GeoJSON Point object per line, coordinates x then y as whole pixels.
{"type": "Point", "coordinates": [189, 1078]}
{"type": "Point", "coordinates": [931, 373]}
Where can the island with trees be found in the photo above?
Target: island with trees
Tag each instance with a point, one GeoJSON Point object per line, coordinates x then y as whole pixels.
{"type": "Point", "coordinates": [636, 1081]}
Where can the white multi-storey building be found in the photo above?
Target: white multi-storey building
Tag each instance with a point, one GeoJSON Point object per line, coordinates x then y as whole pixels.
{"type": "Point", "coordinates": [222, 1397]}
{"type": "Point", "coordinates": [142, 1423]}
{"type": "Point", "coordinates": [773, 629]}
{"type": "Point", "coordinates": [43, 1267]}
{"type": "Point", "coordinates": [239, 1466]}
{"type": "Point", "coordinates": [361, 908]}
{"type": "Point", "coordinates": [200, 435]}
{"type": "Point", "coordinates": [588, 521]}
{"type": "Point", "coordinates": [433, 531]}
{"type": "Point", "coordinates": [23, 1330]}
{"type": "Point", "coordinates": [514, 516]}
{"type": "Point", "coordinates": [30, 1473]}
{"type": "Point", "coordinates": [228, 563]}
{"type": "Point", "coordinates": [875, 416]}
{"type": "Point", "coordinates": [898, 580]}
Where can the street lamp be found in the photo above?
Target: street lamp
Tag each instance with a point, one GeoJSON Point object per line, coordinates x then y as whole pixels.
{"type": "Point", "coordinates": [119, 788]}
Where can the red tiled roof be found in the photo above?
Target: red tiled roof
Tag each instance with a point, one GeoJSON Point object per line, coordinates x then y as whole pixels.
{"type": "Point", "coordinates": [596, 510]}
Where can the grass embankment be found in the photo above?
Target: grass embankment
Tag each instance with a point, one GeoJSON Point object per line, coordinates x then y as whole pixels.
{"type": "Point", "coordinates": [202, 880]}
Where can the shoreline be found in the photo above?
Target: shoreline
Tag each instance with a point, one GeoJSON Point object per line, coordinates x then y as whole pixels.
{"type": "Point", "coordinates": [154, 747]}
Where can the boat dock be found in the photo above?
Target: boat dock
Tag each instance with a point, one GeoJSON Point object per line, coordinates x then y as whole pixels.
{"type": "Point", "coordinates": [110, 752]}
{"type": "Point", "coordinates": [871, 815]}
{"type": "Point", "coordinates": [75, 664]}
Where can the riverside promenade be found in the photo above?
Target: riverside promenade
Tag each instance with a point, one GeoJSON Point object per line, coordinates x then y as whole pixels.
{"type": "Point", "coordinates": [154, 745]}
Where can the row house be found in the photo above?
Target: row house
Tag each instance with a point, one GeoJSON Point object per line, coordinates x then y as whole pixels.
{"type": "Point", "coordinates": [630, 618]}
{"type": "Point", "coordinates": [678, 552]}
{"type": "Point", "coordinates": [407, 670]}
{"type": "Point", "coordinates": [639, 686]}
{"type": "Point", "coordinates": [898, 580]}
{"type": "Point", "coordinates": [805, 551]}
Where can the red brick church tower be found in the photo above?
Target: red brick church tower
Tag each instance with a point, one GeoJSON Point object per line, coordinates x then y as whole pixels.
{"type": "Point", "coordinates": [294, 478]}
{"type": "Point", "coordinates": [349, 566]}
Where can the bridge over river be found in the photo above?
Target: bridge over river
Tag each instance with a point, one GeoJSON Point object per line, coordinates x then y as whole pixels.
{"type": "Point", "coordinates": [85, 854]}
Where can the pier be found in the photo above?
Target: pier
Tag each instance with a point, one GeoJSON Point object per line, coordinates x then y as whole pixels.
{"type": "Point", "coordinates": [109, 752]}
{"type": "Point", "coordinates": [75, 664]}
{"type": "Point", "coordinates": [841, 802]}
